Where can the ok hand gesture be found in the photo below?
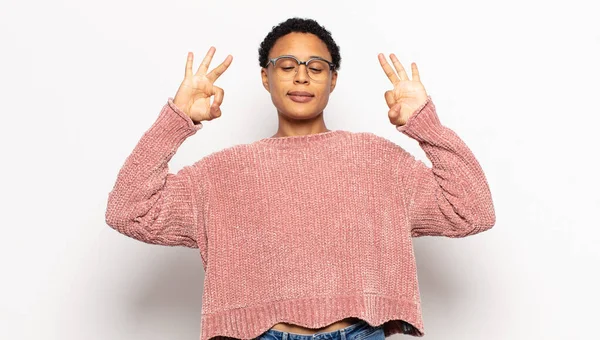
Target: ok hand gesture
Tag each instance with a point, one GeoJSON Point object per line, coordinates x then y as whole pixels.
{"type": "Point", "coordinates": [193, 95]}
{"type": "Point", "coordinates": [407, 95]}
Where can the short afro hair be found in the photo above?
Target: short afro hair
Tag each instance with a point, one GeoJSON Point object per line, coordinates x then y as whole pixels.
{"type": "Point", "coordinates": [302, 26]}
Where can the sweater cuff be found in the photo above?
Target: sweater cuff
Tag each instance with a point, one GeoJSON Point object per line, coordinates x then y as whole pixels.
{"type": "Point", "coordinates": [424, 123]}
{"type": "Point", "coordinates": [177, 110]}
{"type": "Point", "coordinates": [170, 129]}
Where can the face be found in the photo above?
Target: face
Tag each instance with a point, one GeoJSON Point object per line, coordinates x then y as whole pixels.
{"type": "Point", "coordinates": [303, 46]}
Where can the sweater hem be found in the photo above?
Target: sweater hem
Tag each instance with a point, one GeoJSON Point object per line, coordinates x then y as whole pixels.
{"type": "Point", "coordinates": [396, 316]}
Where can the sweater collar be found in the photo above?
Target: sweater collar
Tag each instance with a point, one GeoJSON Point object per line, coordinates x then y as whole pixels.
{"type": "Point", "coordinates": [302, 140]}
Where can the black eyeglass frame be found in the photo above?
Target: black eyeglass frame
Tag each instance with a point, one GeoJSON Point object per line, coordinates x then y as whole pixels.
{"type": "Point", "coordinates": [305, 63]}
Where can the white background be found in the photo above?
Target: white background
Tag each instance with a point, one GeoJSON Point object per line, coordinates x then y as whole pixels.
{"type": "Point", "coordinates": [81, 81]}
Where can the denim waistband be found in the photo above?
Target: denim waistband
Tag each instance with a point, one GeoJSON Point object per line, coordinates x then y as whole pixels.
{"type": "Point", "coordinates": [275, 334]}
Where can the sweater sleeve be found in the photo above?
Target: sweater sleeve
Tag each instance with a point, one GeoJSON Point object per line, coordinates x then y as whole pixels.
{"type": "Point", "coordinates": [147, 202]}
{"type": "Point", "coordinates": [452, 198]}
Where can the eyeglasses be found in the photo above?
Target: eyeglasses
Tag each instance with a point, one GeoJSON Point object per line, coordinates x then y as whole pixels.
{"type": "Point", "coordinates": [286, 67]}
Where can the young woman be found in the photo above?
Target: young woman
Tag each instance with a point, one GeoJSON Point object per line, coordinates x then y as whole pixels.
{"type": "Point", "coordinates": [305, 234]}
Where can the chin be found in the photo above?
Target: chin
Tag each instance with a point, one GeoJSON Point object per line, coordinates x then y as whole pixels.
{"type": "Point", "coordinates": [302, 113]}
{"type": "Point", "coordinates": [300, 110]}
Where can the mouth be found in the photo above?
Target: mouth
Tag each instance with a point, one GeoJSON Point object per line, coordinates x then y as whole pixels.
{"type": "Point", "coordinates": [300, 96]}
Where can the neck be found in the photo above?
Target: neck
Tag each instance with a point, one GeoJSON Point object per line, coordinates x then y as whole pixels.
{"type": "Point", "coordinates": [292, 127]}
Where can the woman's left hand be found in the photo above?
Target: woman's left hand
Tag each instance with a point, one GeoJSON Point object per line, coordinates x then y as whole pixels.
{"type": "Point", "coordinates": [407, 95]}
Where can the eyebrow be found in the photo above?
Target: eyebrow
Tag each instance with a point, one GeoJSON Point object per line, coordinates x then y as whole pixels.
{"type": "Point", "coordinates": [312, 56]}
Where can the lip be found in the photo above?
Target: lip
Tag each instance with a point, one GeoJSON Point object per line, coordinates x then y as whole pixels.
{"type": "Point", "coordinates": [300, 96]}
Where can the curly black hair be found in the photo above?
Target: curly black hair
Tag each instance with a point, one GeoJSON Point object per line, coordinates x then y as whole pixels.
{"type": "Point", "coordinates": [303, 26]}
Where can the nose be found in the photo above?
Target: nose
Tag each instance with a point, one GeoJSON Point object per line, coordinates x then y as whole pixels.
{"type": "Point", "coordinates": [301, 76]}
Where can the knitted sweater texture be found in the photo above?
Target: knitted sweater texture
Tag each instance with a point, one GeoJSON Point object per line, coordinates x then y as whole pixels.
{"type": "Point", "coordinates": [303, 229]}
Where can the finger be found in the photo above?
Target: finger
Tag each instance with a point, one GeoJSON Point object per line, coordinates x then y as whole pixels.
{"type": "Point", "coordinates": [389, 98]}
{"type": "Point", "coordinates": [188, 64]}
{"type": "Point", "coordinates": [388, 69]}
{"type": "Point", "coordinates": [399, 67]}
{"type": "Point", "coordinates": [215, 108]}
{"type": "Point", "coordinates": [203, 68]}
{"type": "Point", "coordinates": [218, 99]}
{"type": "Point", "coordinates": [215, 111]}
{"type": "Point", "coordinates": [216, 73]}
{"type": "Point", "coordinates": [415, 72]}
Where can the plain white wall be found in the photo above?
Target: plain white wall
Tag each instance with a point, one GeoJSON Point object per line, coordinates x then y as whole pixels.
{"type": "Point", "coordinates": [81, 81]}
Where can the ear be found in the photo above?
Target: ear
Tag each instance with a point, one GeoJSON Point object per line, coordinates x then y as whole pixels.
{"type": "Point", "coordinates": [333, 81]}
{"type": "Point", "coordinates": [265, 79]}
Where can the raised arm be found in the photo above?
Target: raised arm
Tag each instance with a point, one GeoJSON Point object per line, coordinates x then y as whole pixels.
{"type": "Point", "coordinates": [147, 202]}
{"type": "Point", "coordinates": [452, 198]}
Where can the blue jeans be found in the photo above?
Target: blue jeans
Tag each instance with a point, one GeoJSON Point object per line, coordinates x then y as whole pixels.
{"type": "Point", "coordinates": [358, 331]}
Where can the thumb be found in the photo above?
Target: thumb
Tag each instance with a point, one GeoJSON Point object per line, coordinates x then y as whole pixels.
{"type": "Point", "coordinates": [394, 113]}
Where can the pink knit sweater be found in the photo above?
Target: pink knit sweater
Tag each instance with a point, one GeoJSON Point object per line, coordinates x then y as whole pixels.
{"type": "Point", "coordinates": [303, 229]}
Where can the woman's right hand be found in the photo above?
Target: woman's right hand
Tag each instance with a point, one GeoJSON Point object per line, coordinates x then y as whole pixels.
{"type": "Point", "coordinates": [193, 95]}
